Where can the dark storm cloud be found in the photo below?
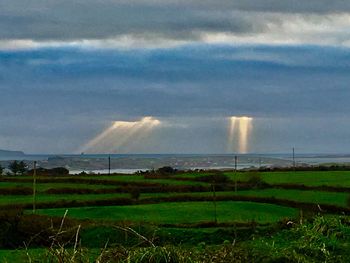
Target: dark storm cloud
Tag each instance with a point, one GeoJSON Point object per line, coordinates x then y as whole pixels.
{"type": "Point", "coordinates": [55, 100]}
{"type": "Point", "coordinates": [187, 81]}
{"type": "Point", "coordinates": [75, 20]}
{"type": "Point", "coordinates": [63, 20]}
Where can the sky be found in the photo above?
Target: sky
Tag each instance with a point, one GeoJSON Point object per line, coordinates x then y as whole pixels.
{"type": "Point", "coordinates": [166, 76]}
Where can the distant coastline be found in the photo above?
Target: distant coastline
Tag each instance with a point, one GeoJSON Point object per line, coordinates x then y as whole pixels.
{"type": "Point", "coordinates": [11, 154]}
{"type": "Point", "coordinates": [128, 163]}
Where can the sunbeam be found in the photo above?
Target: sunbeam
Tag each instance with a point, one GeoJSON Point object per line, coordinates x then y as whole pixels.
{"type": "Point", "coordinates": [120, 134]}
{"type": "Point", "coordinates": [231, 130]}
{"type": "Point", "coordinates": [242, 131]}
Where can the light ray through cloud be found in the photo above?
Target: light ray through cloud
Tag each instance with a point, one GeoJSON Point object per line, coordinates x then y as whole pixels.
{"type": "Point", "coordinates": [121, 134]}
{"type": "Point", "coordinates": [239, 130]}
{"type": "Point", "coordinates": [230, 141]}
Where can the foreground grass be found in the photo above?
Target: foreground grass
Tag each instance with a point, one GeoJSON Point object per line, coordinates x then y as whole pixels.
{"type": "Point", "coordinates": [181, 212]}
{"type": "Point", "coordinates": [21, 255]}
{"type": "Point", "coordinates": [322, 239]}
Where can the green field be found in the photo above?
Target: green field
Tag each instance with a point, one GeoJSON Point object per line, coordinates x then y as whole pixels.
{"type": "Point", "coordinates": [46, 186]}
{"type": "Point", "coordinates": [309, 178]}
{"type": "Point", "coordinates": [188, 212]}
{"type": "Point", "coordinates": [27, 199]}
{"type": "Point", "coordinates": [180, 208]}
{"type": "Point", "coordinates": [317, 197]}
{"type": "Point", "coordinates": [329, 178]}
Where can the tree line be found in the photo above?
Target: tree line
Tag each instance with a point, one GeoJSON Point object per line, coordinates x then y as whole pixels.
{"type": "Point", "coordinates": [16, 168]}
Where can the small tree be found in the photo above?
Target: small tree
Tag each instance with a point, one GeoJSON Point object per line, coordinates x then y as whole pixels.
{"type": "Point", "coordinates": [1, 170]}
{"type": "Point", "coordinates": [166, 170]}
{"type": "Point", "coordinates": [217, 177]}
{"type": "Point", "coordinates": [255, 179]}
{"type": "Point", "coordinates": [22, 167]}
{"type": "Point", "coordinates": [14, 167]}
{"type": "Point", "coordinates": [18, 167]}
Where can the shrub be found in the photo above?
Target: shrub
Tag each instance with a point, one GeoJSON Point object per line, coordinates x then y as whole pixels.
{"type": "Point", "coordinates": [217, 178]}
{"type": "Point", "coordinates": [18, 167]}
{"type": "Point", "coordinates": [167, 170]}
{"type": "Point", "coordinates": [17, 229]}
{"type": "Point", "coordinates": [134, 193]}
{"type": "Point", "coordinates": [255, 179]}
{"type": "Point", "coordinates": [16, 191]}
{"type": "Point", "coordinates": [58, 171]}
{"type": "Point", "coordinates": [348, 201]}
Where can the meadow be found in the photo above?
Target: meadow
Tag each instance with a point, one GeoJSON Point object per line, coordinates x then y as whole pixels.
{"type": "Point", "coordinates": [176, 211]}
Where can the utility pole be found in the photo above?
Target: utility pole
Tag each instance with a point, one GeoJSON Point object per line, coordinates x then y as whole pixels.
{"type": "Point", "coordinates": [259, 162]}
{"type": "Point", "coordinates": [214, 201]}
{"type": "Point", "coordinates": [109, 165]}
{"type": "Point", "coordinates": [236, 158]}
{"type": "Point", "coordinates": [293, 159]}
{"type": "Point", "coordinates": [34, 186]}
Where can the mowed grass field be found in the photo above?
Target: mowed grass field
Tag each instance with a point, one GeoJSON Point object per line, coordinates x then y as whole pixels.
{"type": "Point", "coordinates": [308, 178]}
{"type": "Point", "coordinates": [182, 212]}
{"type": "Point", "coordinates": [177, 209]}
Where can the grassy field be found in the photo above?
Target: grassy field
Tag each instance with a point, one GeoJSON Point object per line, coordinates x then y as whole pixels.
{"type": "Point", "coordinates": [46, 186]}
{"type": "Point", "coordinates": [309, 178]}
{"type": "Point", "coordinates": [28, 199]}
{"type": "Point", "coordinates": [188, 212]}
{"type": "Point", "coordinates": [334, 178]}
{"type": "Point", "coordinates": [316, 197]}
{"type": "Point", "coordinates": [179, 206]}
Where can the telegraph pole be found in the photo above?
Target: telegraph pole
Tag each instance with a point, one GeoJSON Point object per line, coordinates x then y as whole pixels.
{"type": "Point", "coordinates": [293, 159]}
{"type": "Point", "coordinates": [34, 186]}
{"type": "Point", "coordinates": [214, 201]}
{"type": "Point", "coordinates": [109, 165]}
{"type": "Point", "coordinates": [236, 158]}
{"type": "Point", "coordinates": [259, 162]}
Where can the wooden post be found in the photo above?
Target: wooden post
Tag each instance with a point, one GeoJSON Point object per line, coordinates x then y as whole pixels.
{"type": "Point", "coordinates": [214, 201]}
{"type": "Point", "coordinates": [236, 158]}
{"type": "Point", "coordinates": [109, 165]}
{"type": "Point", "coordinates": [293, 159]}
{"type": "Point", "coordinates": [34, 187]}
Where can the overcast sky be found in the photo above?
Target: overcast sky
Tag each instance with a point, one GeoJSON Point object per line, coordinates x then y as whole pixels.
{"type": "Point", "coordinates": [70, 69]}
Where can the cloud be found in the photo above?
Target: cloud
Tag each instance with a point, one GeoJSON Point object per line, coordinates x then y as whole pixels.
{"type": "Point", "coordinates": [193, 80]}
{"type": "Point", "coordinates": [57, 99]}
{"type": "Point", "coordinates": [154, 24]}
{"type": "Point", "coordinates": [70, 68]}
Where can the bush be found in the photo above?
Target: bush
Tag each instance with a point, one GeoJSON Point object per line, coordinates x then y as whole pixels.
{"type": "Point", "coordinates": [348, 201]}
{"type": "Point", "coordinates": [17, 191]}
{"type": "Point", "coordinates": [17, 229]}
{"type": "Point", "coordinates": [18, 167]}
{"type": "Point", "coordinates": [167, 170]}
{"type": "Point", "coordinates": [134, 193]}
{"type": "Point", "coordinates": [217, 178]}
{"type": "Point", "coordinates": [255, 179]}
